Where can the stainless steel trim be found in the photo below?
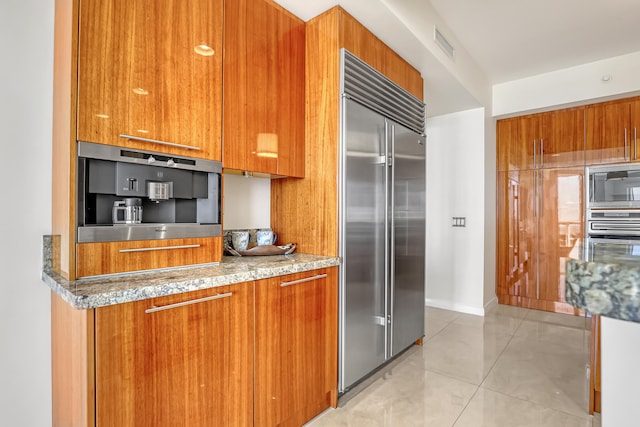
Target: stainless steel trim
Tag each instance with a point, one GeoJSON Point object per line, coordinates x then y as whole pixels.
{"type": "Point", "coordinates": [157, 141]}
{"type": "Point", "coordinates": [635, 144]}
{"type": "Point", "coordinates": [160, 231]}
{"type": "Point", "coordinates": [541, 152]}
{"type": "Point", "coordinates": [392, 244]}
{"type": "Point", "coordinates": [535, 193]}
{"type": "Point", "coordinates": [535, 154]}
{"type": "Point", "coordinates": [154, 309]}
{"type": "Point", "coordinates": [114, 153]}
{"type": "Point", "coordinates": [306, 279]}
{"type": "Point", "coordinates": [341, 185]}
{"type": "Point", "coordinates": [159, 248]}
{"type": "Point", "coordinates": [625, 143]}
{"type": "Point", "coordinates": [369, 87]}
{"type": "Point", "coordinates": [387, 236]}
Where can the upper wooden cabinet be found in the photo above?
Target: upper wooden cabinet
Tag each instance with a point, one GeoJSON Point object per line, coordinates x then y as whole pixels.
{"type": "Point", "coordinates": [611, 134]}
{"type": "Point", "coordinates": [263, 88]}
{"type": "Point", "coordinates": [150, 75]}
{"type": "Point", "coordinates": [545, 140]}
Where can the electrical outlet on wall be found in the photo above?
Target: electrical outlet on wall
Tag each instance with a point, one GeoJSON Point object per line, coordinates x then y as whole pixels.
{"type": "Point", "coordinates": [458, 221]}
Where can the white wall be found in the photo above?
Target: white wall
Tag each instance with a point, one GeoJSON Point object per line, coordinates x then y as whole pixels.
{"type": "Point", "coordinates": [26, 79]}
{"type": "Point", "coordinates": [574, 85]}
{"type": "Point", "coordinates": [455, 187]}
{"type": "Point", "coordinates": [247, 202]}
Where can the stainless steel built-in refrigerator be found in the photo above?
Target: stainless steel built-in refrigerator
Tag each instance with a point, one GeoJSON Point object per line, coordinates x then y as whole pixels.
{"type": "Point", "coordinates": [382, 221]}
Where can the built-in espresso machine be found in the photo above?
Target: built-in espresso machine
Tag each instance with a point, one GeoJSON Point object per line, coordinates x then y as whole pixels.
{"type": "Point", "coordinates": [126, 194]}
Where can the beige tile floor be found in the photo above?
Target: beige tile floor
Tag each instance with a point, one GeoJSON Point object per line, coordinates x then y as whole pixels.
{"type": "Point", "coordinates": [513, 367]}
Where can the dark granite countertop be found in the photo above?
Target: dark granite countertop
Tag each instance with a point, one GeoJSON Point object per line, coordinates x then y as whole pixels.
{"type": "Point", "coordinates": [121, 288]}
{"type": "Point", "coordinates": [604, 279]}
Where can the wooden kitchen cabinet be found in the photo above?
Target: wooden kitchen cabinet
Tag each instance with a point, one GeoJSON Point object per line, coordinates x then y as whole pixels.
{"type": "Point", "coordinates": [595, 362]}
{"type": "Point", "coordinates": [544, 140]}
{"type": "Point", "coordinates": [185, 359]}
{"type": "Point", "coordinates": [117, 257]}
{"type": "Point", "coordinates": [314, 199]}
{"type": "Point", "coordinates": [177, 360]}
{"type": "Point", "coordinates": [263, 88]}
{"type": "Point", "coordinates": [296, 337]}
{"type": "Point", "coordinates": [540, 219]}
{"type": "Point", "coordinates": [150, 75]}
{"type": "Point", "coordinates": [517, 246]}
{"type": "Point", "coordinates": [611, 132]}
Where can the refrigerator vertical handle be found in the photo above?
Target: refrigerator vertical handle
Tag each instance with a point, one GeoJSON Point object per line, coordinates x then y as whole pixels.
{"type": "Point", "coordinates": [391, 243]}
{"type": "Point", "coordinates": [388, 127]}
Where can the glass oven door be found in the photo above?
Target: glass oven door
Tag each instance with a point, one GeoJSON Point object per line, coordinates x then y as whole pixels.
{"type": "Point", "coordinates": [614, 186]}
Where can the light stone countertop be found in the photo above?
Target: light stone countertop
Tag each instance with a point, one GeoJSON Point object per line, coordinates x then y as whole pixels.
{"type": "Point", "coordinates": [608, 284]}
{"type": "Point", "coordinates": [121, 288]}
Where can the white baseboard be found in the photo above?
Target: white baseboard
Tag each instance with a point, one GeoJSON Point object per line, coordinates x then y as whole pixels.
{"type": "Point", "coordinates": [448, 305]}
{"type": "Point", "coordinates": [491, 305]}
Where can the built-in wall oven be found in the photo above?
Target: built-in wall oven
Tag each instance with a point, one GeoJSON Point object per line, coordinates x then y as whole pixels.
{"type": "Point", "coordinates": [613, 208]}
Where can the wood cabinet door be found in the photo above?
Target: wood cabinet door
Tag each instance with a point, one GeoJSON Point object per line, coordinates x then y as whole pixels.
{"type": "Point", "coordinates": [183, 360]}
{"type": "Point", "coordinates": [609, 136]}
{"type": "Point", "coordinates": [117, 257]}
{"type": "Point", "coordinates": [516, 243]}
{"type": "Point", "coordinates": [526, 153]}
{"type": "Point", "coordinates": [562, 138]}
{"type": "Point", "coordinates": [634, 134]}
{"type": "Point", "coordinates": [561, 228]}
{"type": "Point", "coordinates": [263, 88]}
{"type": "Point", "coordinates": [150, 75]}
{"type": "Point", "coordinates": [507, 147]}
{"type": "Point", "coordinates": [296, 339]}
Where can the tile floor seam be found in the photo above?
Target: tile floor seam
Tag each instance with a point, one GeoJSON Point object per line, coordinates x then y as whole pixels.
{"type": "Point", "coordinates": [465, 406]}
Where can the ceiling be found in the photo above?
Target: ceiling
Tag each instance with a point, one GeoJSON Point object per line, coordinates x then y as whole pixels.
{"type": "Point", "coordinates": [512, 39]}
{"type": "Point", "coordinates": [507, 39]}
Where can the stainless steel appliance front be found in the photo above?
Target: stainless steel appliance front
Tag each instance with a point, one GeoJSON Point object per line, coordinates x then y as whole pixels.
{"type": "Point", "coordinates": [382, 234]}
{"type": "Point", "coordinates": [613, 186]}
{"type": "Point", "coordinates": [180, 196]}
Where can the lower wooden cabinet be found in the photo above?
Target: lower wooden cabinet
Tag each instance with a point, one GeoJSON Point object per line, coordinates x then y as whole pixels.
{"type": "Point", "coordinates": [595, 395]}
{"type": "Point", "coordinates": [255, 353]}
{"type": "Point", "coordinates": [296, 354]}
{"type": "Point", "coordinates": [118, 257]}
{"type": "Point", "coordinates": [182, 360]}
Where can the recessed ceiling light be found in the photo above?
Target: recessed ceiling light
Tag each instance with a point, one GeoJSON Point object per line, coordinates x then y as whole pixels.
{"type": "Point", "coordinates": [606, 78]}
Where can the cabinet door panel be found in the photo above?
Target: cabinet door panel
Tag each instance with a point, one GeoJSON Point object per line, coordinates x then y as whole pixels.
{"type": "Point", "coordinates": [118, 257]}
{"type": "Point", "coordinates": [296, 347]}
{"type": "Point", "coordinates": [264, 89]}
{"type": "Point", "coordinates": [144, 71]}
{"type": "Point", "coordinates": [187, 365]}
{"type": "Point", "coordinates": [517, 224]}
{"type": "Point", "coordinates": [562, 138]}
{"type": "Point", "coordinates": [608, 133]}
{"type": "Point", "coordinates": [526, 153]}
{"type": "Point", "coordinates": [561, 227]}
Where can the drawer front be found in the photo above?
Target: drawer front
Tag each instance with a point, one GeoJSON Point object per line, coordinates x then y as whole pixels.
{"type": "Point", "coordinates": [118, 257]}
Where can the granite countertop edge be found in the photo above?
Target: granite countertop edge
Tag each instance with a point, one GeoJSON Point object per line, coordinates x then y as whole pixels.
{"type": "Point", "coordinates": [101, 291]}
{"type": "Point", "coordinates": [610, 289]}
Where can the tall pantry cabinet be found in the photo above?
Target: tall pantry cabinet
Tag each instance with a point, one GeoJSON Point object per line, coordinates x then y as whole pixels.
{"type": "Point", "coordinates": [540, 206]}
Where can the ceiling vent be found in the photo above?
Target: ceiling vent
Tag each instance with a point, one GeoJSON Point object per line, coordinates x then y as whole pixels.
{"type": "Point", "coordinates": [444, 43]}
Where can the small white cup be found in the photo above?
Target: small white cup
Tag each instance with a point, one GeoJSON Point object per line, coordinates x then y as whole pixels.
{"type": "Point", "coordinates": [264, 237]}
{"type": "Point", "coordinates": [240, 240]}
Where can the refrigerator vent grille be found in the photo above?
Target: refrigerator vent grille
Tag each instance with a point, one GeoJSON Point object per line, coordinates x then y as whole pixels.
{"type": "Point", "coordinates": [372, 89]}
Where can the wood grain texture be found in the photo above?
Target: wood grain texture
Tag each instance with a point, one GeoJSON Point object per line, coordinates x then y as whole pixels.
{"type": "Point", "coordinates": [562, 138]}
{"type": "Point", "coordinates": [139, 74]}
{"type": "Point", "coordinates": [263, 88]}
{"type": "Point", "coordinates": [63, 194]}
{"type": "Point", "coordinates": [296, 336]}
{"type": "Point", "coordinates": [106, 258]}
{"type": "Point", "coordinates": [595, 396]}
{"type": "Point", "coordinates": [538, 304]}
{"type": "Point", "coordinates": [606, 141]}
{"type": "Point", "coordinates": [72, 357]}
{"type": "Point", "coordinates": [185, 366]}
{"type": "Point", "coordinates": [560, 226]}
{"type": "Point", "coordinates": [314, 199]}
